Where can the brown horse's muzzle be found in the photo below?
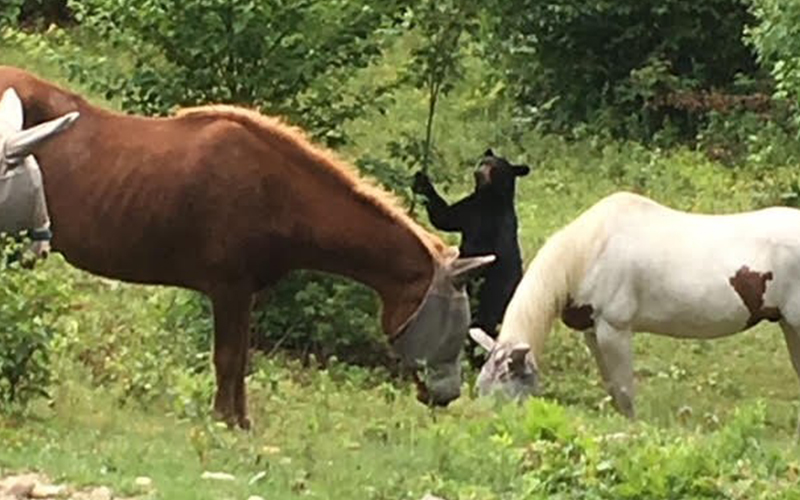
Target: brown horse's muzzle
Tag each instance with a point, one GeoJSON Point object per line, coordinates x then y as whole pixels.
{"type": "Point", "coordinates": [430, 344]}
{"type": "Point", "coordinates": [441, 391]}
{"type": "Point", "coordinates": [431, 340]}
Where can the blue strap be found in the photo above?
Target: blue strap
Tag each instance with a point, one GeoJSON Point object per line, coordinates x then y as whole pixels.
{"type": "Point", "coordinates": [40, 234]}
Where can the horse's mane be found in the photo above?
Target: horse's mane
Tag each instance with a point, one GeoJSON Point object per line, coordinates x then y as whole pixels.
{"type": "Point", "coordinates": [556, 273]}
{"type": "Point", "coordinates": [274, 128]}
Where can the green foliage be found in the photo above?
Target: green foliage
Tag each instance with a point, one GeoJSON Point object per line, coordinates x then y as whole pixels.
{"type": "Point", "coordinates": [31, 301]}
{"type": "Point", "coordinates": [755, 139]}
{"type": "Point", "coordinates": [142, 352]}
{"type": "Point", "coordinates": [775, 37]}
{"type": "Point", "coordinates": [339, 431]}
{"type": "Point", "coordinates": [312, 313]}
{"type": "Point", "coordinates": [287, 58]}
{"type": "Point", "coordinates": [45, 12]}
{"type": "Point", "coordinates": [710, 467]}
{"type": "Point", "coordinates": [622, 65]}
{"type": "Point", "coordinates": [10, 11]}
{"type": "Point", "coordinates": [436, 63]}
{"type": "Point", "coordinates": [33, 12]}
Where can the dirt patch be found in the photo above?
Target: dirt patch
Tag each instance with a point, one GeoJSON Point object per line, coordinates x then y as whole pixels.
{"type": "Point", "coordinates": [38, 486]}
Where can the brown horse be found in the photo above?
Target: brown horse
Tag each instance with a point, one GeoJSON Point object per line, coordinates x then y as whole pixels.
{"type": "Point", "coordinates": [226, 201]}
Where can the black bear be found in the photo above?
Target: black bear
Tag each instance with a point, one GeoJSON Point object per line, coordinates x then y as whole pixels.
{"type": "Point", "coordinates": [487, 222]}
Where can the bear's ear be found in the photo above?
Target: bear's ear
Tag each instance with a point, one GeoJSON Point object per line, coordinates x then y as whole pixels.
{"type": "Point", "coordinates": [488, 152]}
{"type": "Point", "coordinates": [521, 170]}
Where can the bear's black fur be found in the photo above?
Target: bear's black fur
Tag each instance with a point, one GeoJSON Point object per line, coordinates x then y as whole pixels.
{"type": "Point", "coordinates": [487, 222]}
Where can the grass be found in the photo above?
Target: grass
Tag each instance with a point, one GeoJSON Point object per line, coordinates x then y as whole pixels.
{"type": "Point", "coordinates": [311, 442]}
{"type": "Point", "coordinates": [716, 418]}
{"type": "Point", "coordinates": [13, 55]}
{"type": "Point", "coordinates": [347, 432]}
{"type": "Point", "coordinates": [336, 433]}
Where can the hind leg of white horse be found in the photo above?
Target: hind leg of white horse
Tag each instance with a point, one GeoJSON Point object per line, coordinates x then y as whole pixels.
{"type": "Point", "coordinates": [615, 349]}
{"type": "Point", "coordinates": [792, 336]}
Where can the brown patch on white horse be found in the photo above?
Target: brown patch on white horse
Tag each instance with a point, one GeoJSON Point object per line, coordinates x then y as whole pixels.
{"type": "Point", "coordinates": [751, 287]}
{"type": "Point", "coordinates": [578, 317]}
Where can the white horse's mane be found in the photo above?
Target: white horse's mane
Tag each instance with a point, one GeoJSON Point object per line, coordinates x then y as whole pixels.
{"type": "Point", "coordinates": [555, 274]}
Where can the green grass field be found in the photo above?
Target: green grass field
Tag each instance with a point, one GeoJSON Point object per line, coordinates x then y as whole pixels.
{"type": "Point", "coordinates": [716, 418]}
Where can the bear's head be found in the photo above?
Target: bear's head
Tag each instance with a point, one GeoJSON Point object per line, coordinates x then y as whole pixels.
{"type": "Point", "coordinates": [495, 174]}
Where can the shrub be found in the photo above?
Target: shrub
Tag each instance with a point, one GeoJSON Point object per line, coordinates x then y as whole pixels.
{"type": "Point", "coordinates": [618, 63]}
{"type": "Point", "coordinates": [31, 301]}
{"type": "Point", "coordinates": [311, 313]}
{"type": "Point", "coordinates": [286, 58]}
{"type": "Point", "coordinates": [34, 11]}
{"type": "Point", "coordinates": [10, 11]}
{"type": "Point", "coordinates": [138, 341]}
{"type": "Point", "coordinates": [775, 38]}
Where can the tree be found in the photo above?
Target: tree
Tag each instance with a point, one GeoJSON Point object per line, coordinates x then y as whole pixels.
{"type": "Point", "coordinates": [618, 62]}
{"type": "Point", "coordinates": [776, 38]}
{"type": "Point", "coordinates": [435, 64]}
{"type": "Point", "coordinates": [284, 57]}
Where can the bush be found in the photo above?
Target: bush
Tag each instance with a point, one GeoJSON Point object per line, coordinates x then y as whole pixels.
{"type": "Point", "coordinates": [35, 11]}
{"type": "Point", "coordinates": [10, 11]}
{"type": "Point", "coordinates": [618, 64]}
{"type": "Point", "coordinates": [311, 313]}
{"type": "Point", "coordinates": [775, 38]}
{"type": "Point", "coordinates": [46, 12]}
{"type": "Point", "coordinates": [31, 302]}
{"type": "Point", "coordinates": [286, 58]}
{"type": "Point", "coordinates": [138, 341]}
{"type": "Point", "coordinates": [754, 139]}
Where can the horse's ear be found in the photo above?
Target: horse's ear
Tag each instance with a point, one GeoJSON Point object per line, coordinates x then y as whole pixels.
{"type": "Point", "coordinates": [521, 170]}
{"type": "Point", "coordinates": [21, 143]}
{"type": "Point", "coordinates": [518, 354]}
{"type": "Point", "coordinates": [488, 152]}
{"type": "Point", "coordinates": [482, 338]}
{"type": "Point", "coordinates": [462, 269]}
{"type": "Point", "coordinates": [11, 109]}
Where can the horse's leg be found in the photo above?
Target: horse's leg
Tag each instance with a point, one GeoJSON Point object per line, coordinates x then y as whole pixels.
{"type": "Point", "coordinates": [792, 336]}
{"type": "Point", "coordinates": [615, 348]}
{"type": "Point", "coordinates": [231, 341]}
{"type": "Point", "coordinates": [591, 340]}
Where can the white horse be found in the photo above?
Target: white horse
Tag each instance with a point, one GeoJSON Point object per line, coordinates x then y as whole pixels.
{"type": "Point", "coordinates": [628, 264]}
{"type": "Point", "coordinates": [22, 198]}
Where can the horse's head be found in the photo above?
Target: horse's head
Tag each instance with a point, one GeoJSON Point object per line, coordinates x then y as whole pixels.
{"type": "Point", "coordinates": [430, 342]}
{"type": "Point", "coordinates": [21, 191]}
{"type": "Point", "coordinates": [496, 174]}
{"type": "Point", "coordinates": [509, 369]}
